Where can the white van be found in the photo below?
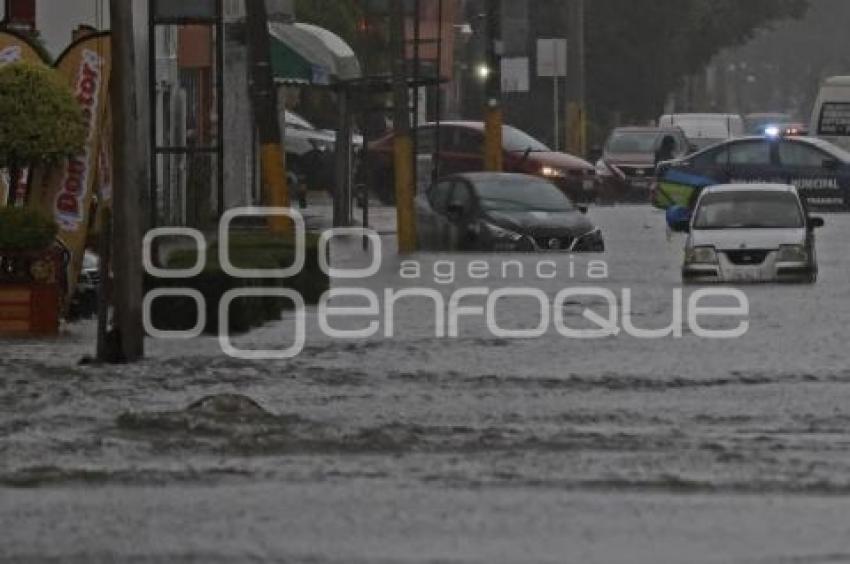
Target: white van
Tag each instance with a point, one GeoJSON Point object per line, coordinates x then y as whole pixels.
{"type": "Point", "coordinates": [831, 115]}
{"type": "Point", "coordinates": [704, 130]}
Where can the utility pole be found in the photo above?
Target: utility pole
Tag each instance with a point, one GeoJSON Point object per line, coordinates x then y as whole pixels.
{"type": "Point", "coordinates": [264, 97]}
{"type": "Point", "coordinates": [403, 144]}
{"type": "Point", "coordinates": [127, 343]}
{"type": "Point", "coordinates": [576, 84]}
{"type": "Point", "coordinates": [493, 116]}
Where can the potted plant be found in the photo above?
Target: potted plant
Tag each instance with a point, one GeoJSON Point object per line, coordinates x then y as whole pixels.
{"type": "Point", "coordinates": [30, 272]}
{"type": "Point", "coordinates": [42, 125]}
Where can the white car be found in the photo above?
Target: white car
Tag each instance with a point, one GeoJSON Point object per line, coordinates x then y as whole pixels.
{"type": "Point", "coordinates": [751, 233]}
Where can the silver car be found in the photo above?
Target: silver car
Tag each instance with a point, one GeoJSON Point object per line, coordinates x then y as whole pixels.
{"type": "Point", "coordinates": [751, 233]}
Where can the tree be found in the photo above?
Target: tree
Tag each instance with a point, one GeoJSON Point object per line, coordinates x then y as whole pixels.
{"type": "Point", "coordinates": [639, 52]}
{"type": "Point", "coordinates": [40, 122]}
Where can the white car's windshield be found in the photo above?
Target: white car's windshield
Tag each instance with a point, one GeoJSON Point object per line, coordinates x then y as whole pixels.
{"type": "Point", "coordinates": [638, 142]}
{"type": "Point", "coordinates": [749, 210]}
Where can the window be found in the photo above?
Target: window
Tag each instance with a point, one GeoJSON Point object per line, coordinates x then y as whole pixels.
{"type": "Point", "coordinates": [750, 153]}
{"type": "Point", "coordinates": [439, 195]}
{"type": "Point", "coordinates": [797, 154]}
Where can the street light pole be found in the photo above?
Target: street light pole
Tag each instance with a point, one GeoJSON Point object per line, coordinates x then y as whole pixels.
{"type": "Point", "coordinates": [576, 82]}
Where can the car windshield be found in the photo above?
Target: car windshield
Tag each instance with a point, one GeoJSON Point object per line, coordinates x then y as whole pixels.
{"type": "Point", "coordinates": [643, 142]}
{"type": "Point", "coordinates": [749, 210]}
{"type": "Point", "coordinates": [521, 194]}
{"type": "Point", "coordinates": [517, 141]}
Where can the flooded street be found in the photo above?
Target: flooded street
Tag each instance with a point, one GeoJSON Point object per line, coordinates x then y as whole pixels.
{"type": "Point", "coordinates": [480, 448]}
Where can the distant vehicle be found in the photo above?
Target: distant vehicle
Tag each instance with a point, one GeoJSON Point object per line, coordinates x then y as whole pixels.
{"type": "Point", "coordinates": [627, 167]}
{"type": "Point", "coordinates": [704, 130]}
{"type": "Point", "coordinates": [751, 233]}
{"type": "Point", "coordinates": [310, 151]}
{"type": "Point", "coordinates": [757, 124]}
{"type": "Point", "coordinates": [501, 212]}
{"type": "Point", "coordinates": [462, 150]}
{"type": "Point", "coordinates": [819, 170]}
{"type": "Point", "coordinates": [831, 114]}
{"type": "Point", "coordinates": [84, 301]}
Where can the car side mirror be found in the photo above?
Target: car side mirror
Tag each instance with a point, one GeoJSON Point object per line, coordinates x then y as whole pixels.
{"type": "Point", "coordinates": [831, 164]}
{"type": "Point", "coordinates": [816, 222]}
{"type": "Point", "coordinates": [692, 148]}
{"type": "Point", "coordinates": [682, 226]}
{"type": "Point", "coordinates": [583, 209]}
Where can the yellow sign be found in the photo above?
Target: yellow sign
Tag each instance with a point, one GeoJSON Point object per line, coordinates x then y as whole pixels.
{"type": "Point", "coordinates": [68, 190]}
{"type": "Point", "coordinates": [14, 49]}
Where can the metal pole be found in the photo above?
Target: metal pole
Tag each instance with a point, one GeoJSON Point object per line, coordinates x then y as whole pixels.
{"type": "Point", "coordinates": [435, 158]}
{"type": "Point", "coordinates": [493, 111]}
{"type": "Point", "coordinates": [129, 199]}
{"type": "Point", "coordinates": [403, 146]}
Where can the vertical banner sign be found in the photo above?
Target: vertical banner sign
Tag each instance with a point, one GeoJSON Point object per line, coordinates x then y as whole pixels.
{"type": "Point", "coordinates": [14, 49]}
{"type": "Point", "coordinates": [68, 190]}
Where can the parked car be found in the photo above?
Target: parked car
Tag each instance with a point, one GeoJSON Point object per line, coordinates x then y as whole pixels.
{"type": "Point", "coordinates": [627, 167]}
{"type": "Point", "coordinates": [502, 212]}
{"type": "Point", "coordinates": [751, 233]}
{"type": "Point", "coordinates": [461, 150]}
{"type": "Point", "coordinates": [831, 114]}
{"type": "Point", "coordinates": [84, 301]}
{"type": "Point", "coordinates": [819, 170]}
{"type": "Point", "coordinates": [704, 130]}
{"type": "Point", "coordinates": [310, 151]}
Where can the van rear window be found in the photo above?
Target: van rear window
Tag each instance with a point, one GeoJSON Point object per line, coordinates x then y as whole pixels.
{"type": "Point", "coordinates": [835, 119]}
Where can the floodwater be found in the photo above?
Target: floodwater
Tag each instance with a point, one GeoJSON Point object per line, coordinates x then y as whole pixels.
{"type": "Point", "coordinates": [475, 449]}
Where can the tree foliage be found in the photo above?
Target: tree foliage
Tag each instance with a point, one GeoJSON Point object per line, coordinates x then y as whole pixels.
{"type": "Point", "coordinates": [639, 52]}
{"type": "Point", "coordinates": [40, 122]}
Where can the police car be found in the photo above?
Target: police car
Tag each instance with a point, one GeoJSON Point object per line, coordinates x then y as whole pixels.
{"type": "Point", "coordinates": [819, 170]}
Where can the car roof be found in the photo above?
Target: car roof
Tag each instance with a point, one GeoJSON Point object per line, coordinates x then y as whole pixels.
{"type": "Point", "coordinates": [756, 186]}
{"type": "Point", "coordinates": [702, 116]}
{"type": "Point", "coordinates": [647, 129]}
{"type": "Point", "coordinates": [484, 176]}
{"type": "Point", "coordinates": [837, 81]}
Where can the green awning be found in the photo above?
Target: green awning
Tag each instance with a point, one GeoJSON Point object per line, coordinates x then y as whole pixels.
{"type": "Point", "coordinates": [306, 54]}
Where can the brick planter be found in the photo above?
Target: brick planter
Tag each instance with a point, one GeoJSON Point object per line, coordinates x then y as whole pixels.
{"type": "Point", "coordinates": [30, 293]}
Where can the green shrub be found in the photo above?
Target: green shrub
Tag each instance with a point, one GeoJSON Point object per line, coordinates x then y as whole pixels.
{"type": "Point", "coordinates": [41, 122]}
{"type": "Point", "coordinates": [26, 229]}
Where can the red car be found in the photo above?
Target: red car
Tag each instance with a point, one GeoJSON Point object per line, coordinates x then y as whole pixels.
{"type": "Point", "coordinates": [462, 151]}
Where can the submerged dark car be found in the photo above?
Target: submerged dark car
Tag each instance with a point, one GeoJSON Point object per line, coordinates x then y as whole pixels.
{"type": "Point", "coordinates": [499, 212]}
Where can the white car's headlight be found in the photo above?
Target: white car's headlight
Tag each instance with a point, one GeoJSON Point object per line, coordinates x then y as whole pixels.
{"type": "Point", "coordinates": [792, 253]}
{"type": "Point", "coordinates": [701, 255]}
{"type": "Point", "coordinates": [552, 172]}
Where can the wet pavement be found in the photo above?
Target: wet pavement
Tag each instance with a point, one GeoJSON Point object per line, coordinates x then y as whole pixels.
{"type": "Point", "coordinates": [472, 449]}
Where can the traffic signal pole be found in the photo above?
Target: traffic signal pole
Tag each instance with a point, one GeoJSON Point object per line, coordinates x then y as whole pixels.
{"type": "Point", "coordinates": [493, 115]}
{"type": "Point", "coordinates": [403, 143]}
{"type": "Point", "coordinates": [264, 97]}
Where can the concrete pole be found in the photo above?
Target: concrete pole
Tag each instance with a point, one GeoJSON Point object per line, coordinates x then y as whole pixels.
{"type": "Point", "coordinates": [576, 82]}
{"type": "Point", "coordinates": [128, 343]}
{"type": "Point", "coordinates": [403, 144]}
{"type": "Point", "coordinates": [493, 113]}
{"type": "Point", "coordinates": [264, 97]}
